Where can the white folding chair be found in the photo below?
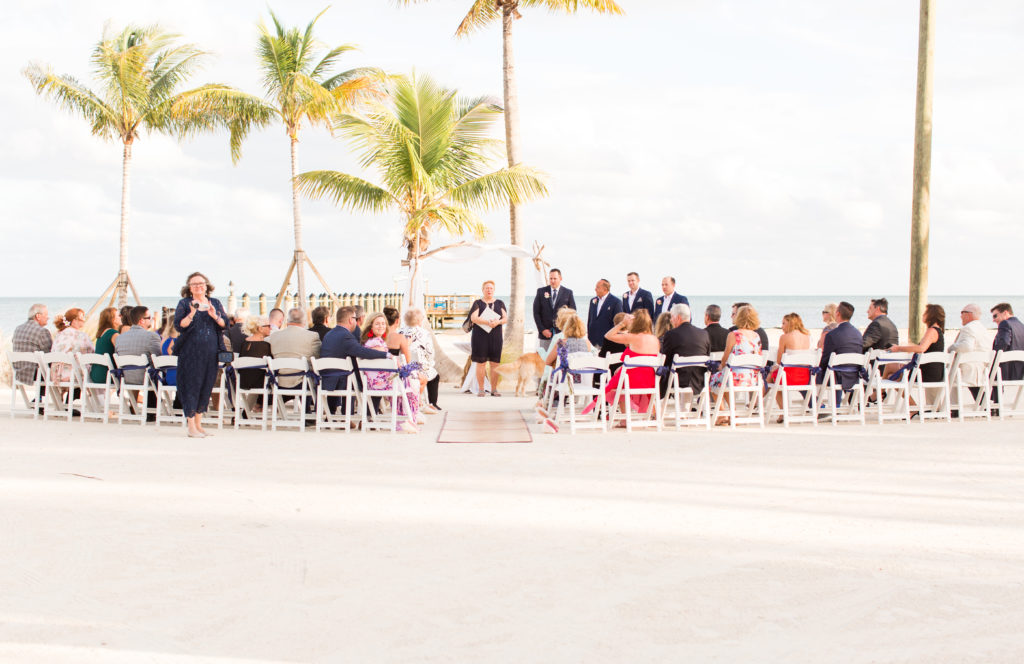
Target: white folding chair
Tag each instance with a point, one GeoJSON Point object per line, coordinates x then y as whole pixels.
{"type": "Point", "coordinates": [624, 393]}
{"type": "Point", "coordinates": [932, 398]}
{"type": "Point", "coordinates": [680, 398]}
{"type": "Point", "coordinates": [753, 393]}
{"type": "Point", "coordinates": [221, 391]}
{"type": "Point", "coordinates": [394, 394]}
{"type": "Point", "coordinates": [95, 403]}
{"type": "Point", "coordinates": [1003, 387]}
{"type": "Point", "coordinates": [60, 392]}
{"type": "Point", "coordinates": [30, 391]}
{"type": "Point", "coordinates": [892, 395]}
{"type": "Point", "coordinates": [805, 408]}
{"type": "Point", "coordinates": [132, 396]}
{"type": "Point", "coordinates": [832, 392]}
{"type": "Point", "coordinates": [327, 367]}
{"type": "Point", "coordinates": [166, 413]}
{"type": "Point", "coordinates": [977, 365]}
{"type": "Point", "coordinates": [288, 367]}
{"type": "Point", "coordinates": [245, 400]}
{"type": "Point", "coordinates": [571, 395]}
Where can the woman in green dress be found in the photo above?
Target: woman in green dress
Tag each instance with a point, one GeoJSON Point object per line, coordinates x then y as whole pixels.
{"type": "Point", "coordinates": [106, 334]}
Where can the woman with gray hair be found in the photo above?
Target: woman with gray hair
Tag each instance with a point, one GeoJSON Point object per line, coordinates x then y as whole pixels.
{"type": "Point", "coordinates": [422, 345]}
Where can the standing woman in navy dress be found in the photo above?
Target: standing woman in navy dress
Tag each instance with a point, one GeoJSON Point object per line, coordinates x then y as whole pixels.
{"type": "Point", "coordinates": [485, 347]}
{"type": "Point", "coordinates": [200, 320]}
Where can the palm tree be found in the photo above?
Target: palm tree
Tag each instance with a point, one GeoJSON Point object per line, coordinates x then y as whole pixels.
{"type": "Point", "coordinates": [139, 71]}
{"type": "Point", "coordinates": [919, 221]}
{"type": "Point", "coordinates": [481, 14]}
{"type": "Point", "coordinates": [432, 152]}
{"type": "Point", "coordinates": [298, 85]}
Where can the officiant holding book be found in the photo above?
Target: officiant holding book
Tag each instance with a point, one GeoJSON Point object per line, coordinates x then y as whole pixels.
{"type": "Point", "coordinates": [488, 315]}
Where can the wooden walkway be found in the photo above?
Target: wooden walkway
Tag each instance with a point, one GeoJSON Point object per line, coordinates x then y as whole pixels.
{"type": "Point", "coordinates": [500, 426]}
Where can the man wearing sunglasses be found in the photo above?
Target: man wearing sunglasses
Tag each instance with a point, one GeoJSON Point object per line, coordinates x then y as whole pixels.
{"type": "Point", "coordinates": [1009, 336]}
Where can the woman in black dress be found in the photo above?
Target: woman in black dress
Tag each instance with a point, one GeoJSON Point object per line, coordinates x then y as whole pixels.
{"type": "Point", "coordinates": [200, 320]}
{"type": "Point", "coordinates": [486, 346]}
{"type": "Point", "coordinates": [933, 341]}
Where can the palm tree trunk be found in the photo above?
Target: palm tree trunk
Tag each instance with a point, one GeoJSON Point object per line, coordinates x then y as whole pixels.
{"type": "Point", "coordinates": [122, 264]}
{"type": "Point", "coordinates": [300, 256]}
{"type": "Point", "coordinates": [514, 331]}
{"type": "Point", "coordinates": [920, 215]}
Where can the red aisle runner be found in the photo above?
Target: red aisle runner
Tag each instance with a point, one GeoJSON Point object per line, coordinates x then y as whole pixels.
{"type": "Point", "coordinates": [484, 427]}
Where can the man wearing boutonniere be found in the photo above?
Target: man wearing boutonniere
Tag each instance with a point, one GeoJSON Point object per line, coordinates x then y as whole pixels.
{"type": "Point", "coordinates": [603, 308]}
{"type": "Point", "coordinates": [664, 302]}
{"type": "Point", "coordinates": [637, 298]}
{"type": "Point", "coordinates": [549, 300]}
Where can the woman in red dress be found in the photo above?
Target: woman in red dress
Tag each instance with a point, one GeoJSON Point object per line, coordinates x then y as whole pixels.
{"type": "Point", "coordinates": [634, 332]}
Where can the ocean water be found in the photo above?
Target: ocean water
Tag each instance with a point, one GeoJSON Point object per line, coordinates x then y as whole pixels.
{"type": "Point", "coordinates": [14, 310]}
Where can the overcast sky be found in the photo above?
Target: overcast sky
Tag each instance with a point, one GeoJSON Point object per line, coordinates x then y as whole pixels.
{"type": "Point", "coordinates": [744, 147]}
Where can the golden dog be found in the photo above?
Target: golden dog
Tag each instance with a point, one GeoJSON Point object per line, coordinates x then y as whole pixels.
{"type": "Point", "coordinates": [528, 367]}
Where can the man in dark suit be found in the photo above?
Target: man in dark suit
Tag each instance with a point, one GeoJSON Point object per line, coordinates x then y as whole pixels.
{"type": "Point", "coordinates": [669, 297]}
{"type": "Point", "coordinates": [760, 331]}
{"type": "Point", "coordinates": [319, 316]}
{"type": "Point", "coordinates": [684, 340]}
{"type": "Point", "coordinates": [718, 334]}
{"type": "Point", "coordinates": [549, 300]}
{"type": "Point", "coordinates": [637, 298]}
{"type": "Point", "coordinates": [844, 338]}
{"type": "Point", "coordinates": [603, 308]}
{"type": "Point", "coordinates": [1009, 336]}
{"type": "Point", "coordinates": [341, 342]}
{"type": "Point", "coordinates": [881, 332]}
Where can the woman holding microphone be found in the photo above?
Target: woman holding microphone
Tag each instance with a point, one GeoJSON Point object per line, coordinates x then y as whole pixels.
{"type": "Point", "coordinates": [200, 320]}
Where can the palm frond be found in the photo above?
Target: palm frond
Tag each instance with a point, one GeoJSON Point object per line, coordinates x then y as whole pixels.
{"type": "Point", "coordinates": [72, 96]}
{"type": "Point", "coordinates": [211, 106]}
{"type": "Point", "coordinates": [329, 59]}
{"type": "Point", "coordinates": [480, 14]}
{"type": "Point", "coordinates": [516, 185]}
{"type": "Point", "coordinates": [572, 6]}
{"type": "Point", "coordinates": [344, 189]}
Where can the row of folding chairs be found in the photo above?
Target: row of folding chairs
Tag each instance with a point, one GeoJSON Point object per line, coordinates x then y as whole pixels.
{"type": "Point", "coordinates": [272, 404]}
{"type": "Point", "coordinates": [853, 388]}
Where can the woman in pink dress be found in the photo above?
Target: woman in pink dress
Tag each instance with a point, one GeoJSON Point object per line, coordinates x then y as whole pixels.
{"type": "Point", "coordinates": [375, 336]}
{"type": "Point", "coordinates": [742, 341]}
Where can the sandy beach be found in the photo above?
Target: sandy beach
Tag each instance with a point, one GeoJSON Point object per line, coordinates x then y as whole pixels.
{"type": "Point", "coordinates": [899, 543]}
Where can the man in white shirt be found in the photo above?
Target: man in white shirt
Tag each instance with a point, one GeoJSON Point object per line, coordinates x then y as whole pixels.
{"type": "Point", "coordinates": [670, 298]}
{"type": "Point", "coordinates": [973, 337]}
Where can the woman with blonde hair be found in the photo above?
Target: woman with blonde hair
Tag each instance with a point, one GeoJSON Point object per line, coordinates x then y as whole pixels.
{"type": "Point", "coordinates": [828, 317]}
{"type": "Point", "coordinates": [662, 325]}
{"type": "Point", "coordinates": [106, 334]}
{"type": "Point", "coordinates": [744, 340]}
{"type": "Point", "coordinates": [794, 337]}
{"type": "Point", "coordinates": [421, 343]}
{"type": "Point", "coordinates": [574, 336]}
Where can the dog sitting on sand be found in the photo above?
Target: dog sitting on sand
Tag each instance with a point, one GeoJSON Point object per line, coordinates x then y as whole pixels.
{"type": "Point", "coordinates": [528, 367]}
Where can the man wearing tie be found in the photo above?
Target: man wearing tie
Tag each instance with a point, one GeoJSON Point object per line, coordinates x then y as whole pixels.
{"type": "Point", "coordinates": [663, 304]}
{"type": "Point", "coordinates": [546, 304]}
{"type": "Point", "coordinates": [637, 298]}
{"type": "Point", "coordinates": [602, 310]}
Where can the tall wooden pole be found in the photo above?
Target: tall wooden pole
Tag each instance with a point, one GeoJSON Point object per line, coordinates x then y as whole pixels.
{"type": "Point", "coordinates": [920, 215]}
{"type": "Point", "coordinates": [517, 309]}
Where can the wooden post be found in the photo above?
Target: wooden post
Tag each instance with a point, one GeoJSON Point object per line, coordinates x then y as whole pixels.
{"type": "Point", "coordinates": [920, 212]}
{"type": "Point", "coordinates": [263, 304]}
{"type": "Point", "coordinates": [245, 301]}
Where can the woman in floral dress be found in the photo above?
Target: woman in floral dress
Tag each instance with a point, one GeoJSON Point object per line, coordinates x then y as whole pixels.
{"type": "Point", "coordinates": [375, 336]}
{"type": "Point", "coordinates": [742, 341]}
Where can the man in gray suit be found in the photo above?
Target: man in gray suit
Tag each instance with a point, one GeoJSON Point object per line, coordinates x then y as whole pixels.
{"type": "Point", "coordinates": [138, 340]}
{"type": "Point", "coordinates": [294, 340]}
{"type": "Point", "coordinates": [881, 332]}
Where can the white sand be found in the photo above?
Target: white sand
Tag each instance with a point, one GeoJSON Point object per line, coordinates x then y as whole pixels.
{"type": "Point", "coordinates": [901, 543]}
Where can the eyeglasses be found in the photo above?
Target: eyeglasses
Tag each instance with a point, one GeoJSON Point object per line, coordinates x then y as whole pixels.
{"type": "Point", "coordinates": [147, 318]}
{"type": "Point", "coordinates": [995, 316]}
{"type": "Point", "coordinates": [200, 283]}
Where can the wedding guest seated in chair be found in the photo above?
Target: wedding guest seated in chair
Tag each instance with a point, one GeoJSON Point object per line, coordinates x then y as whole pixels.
{"type": "Point", "coordinates": [744, 340]}
{"type": "Point", "coordinates": [635, 333]}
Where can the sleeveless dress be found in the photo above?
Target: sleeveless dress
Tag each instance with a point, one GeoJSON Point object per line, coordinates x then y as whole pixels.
{"type": "Point", "coordinates": [104, 345]}
{"type": "Point", "coordinates": [639, 378]}
{"type": "Point", "coordinates": [486, 346]}
{"type": "Point", "coordinates": [740, 377]}
{"type": "Point", "coordinates": [381, 380]}
{"type": "Point", "coordinates": [934, 373]}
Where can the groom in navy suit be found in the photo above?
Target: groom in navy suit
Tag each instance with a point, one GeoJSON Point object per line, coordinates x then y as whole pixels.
{"type": "Point", "coordinates": [637, 298]}
{"type": "Point", "coordinates": [602, 310]}
{"type": "Point", "coordinates": [664, 303]}
{"type": "Point", "coordinates": [549, 300]}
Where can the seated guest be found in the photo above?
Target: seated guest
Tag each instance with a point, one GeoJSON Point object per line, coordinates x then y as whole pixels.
{"type": "Point", "coordinates": [341, 342]}
{"type": "Point", "coordinates": [610, 347]}
{"type": "Point", "coordinates": [30, 337]}
{"type": "Point", "coordinates": [574, 339]}
{"type": "Point", "coordinates": [139, 339]}
{"type": "Point", "coordinates": [716, 333]}
{"type": "Point", "coordinates": [294, 341]}
{"type": "Point", "coordinates": [168, 336]}
{"type": "Point", "coordinates": [276, 317]}
{"type": "Point", "coordinates": [933, 341]}
{"type": "Point", "coordinates": [71, 338]}
{"type": "Point", "coordinates": [106, 335]}
{"type": "Point", "coordinates": [843, 339]}
{"type": "Point", "coordinates": [743, 340]}
{"type": "Point", "coordinates": [669, 297]}
{"type": "Point", "coordinates": [880, 333]}
{"type": "Point", "coordinates": [398, 345]}
{"type": "Point", "coordinates": [973, 337]}
{"type": "Point", "coordinates": [684, 340]}
{"type": "Point", "coordinates": [564, 314]}
{"type": "Point", "coordinates": [1009, 336]}
{"type": "Point", "coordinates": [794, 337]}
{"type": "Point", "coordinates": [828, 318]}
{"type": "Point", "coordinates": [761, 334]}
{"type": "Point", "coordinates": [662, 325]}
{"type": "Point", "coordinates": [319, 316]}
{"type": "Point", "coordinates": [375, 337]}
{"type": "Point", "coordinates": [254, 344]}
{"type": "Point", "coordinates": [126, 319]}
{"type": "Point", "coordinates": [422, 346]}
{"type": "Point", "coordinates": [603, 309]}
{"type": "Point", "coordinates": [236, 331]}
{"type": "Point", "coordinates": [634, 332]}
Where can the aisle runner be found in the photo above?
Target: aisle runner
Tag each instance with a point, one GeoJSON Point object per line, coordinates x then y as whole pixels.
{"type": "Point", "coordinates": [484, 427]}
